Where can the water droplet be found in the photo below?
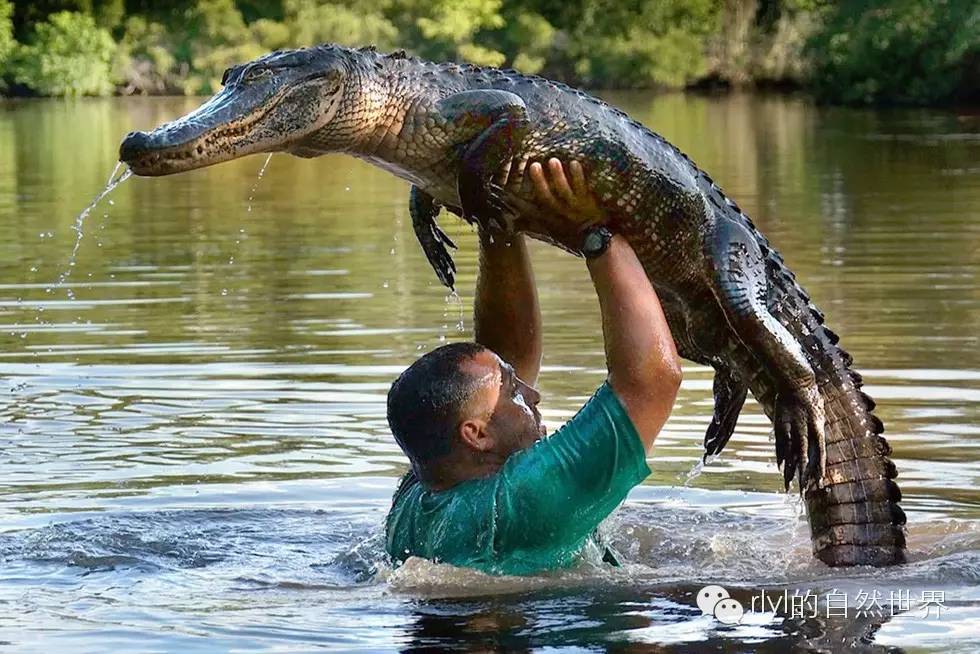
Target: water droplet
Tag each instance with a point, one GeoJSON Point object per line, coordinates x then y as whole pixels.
{"type": "Point", "coordinates": [224, 291]}
{"type": "Point", "coordinates": [385, 284]}
{"type": "Point", "coordinates": [33, 268]}
{"type": "Point", "coordinates": [391, 251]}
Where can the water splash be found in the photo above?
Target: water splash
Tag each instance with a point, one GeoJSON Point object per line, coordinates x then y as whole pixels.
{"type": "Point", "coordinates": [694, 472]}
{"type": "Point", "coordinates": [110, 185]}
{"type": "Point", "coordinates": [255, 186]}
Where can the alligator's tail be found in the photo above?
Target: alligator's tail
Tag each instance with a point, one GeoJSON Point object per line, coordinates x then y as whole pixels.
{"type": "Point", "coordinates": [855, 519]}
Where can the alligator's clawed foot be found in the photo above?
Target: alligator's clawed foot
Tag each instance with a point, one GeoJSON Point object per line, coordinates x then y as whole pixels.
{"type": "Point", "coordinates": [800, 441]}
{"type": "Point", "coordinates": [435, 243]}
{"type": "Point", "coordinates": [486, 207]}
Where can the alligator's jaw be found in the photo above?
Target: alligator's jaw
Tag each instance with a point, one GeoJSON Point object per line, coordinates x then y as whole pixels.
{"type": "Point", "coordinates": [231, 124]}
{"type": "Point", "coordinates": [145, 156]}
{"type": "Point", "coordinates": [196, 140]}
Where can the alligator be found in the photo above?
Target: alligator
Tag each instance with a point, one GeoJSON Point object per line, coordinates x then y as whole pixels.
{"type": "Point", "coordinates": [455, 131]}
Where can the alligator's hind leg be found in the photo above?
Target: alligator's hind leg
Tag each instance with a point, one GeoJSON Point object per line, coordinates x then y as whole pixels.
{"type": "Point", "coordinates": [729, 392]}
{"type": "Point", "coordinates": [740, 285]}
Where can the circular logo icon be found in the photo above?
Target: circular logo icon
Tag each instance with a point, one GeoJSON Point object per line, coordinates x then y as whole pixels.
{"type": "Point", "coordinates": [729, 611]}
{"type": "Point", "coordinates": [708, 597]}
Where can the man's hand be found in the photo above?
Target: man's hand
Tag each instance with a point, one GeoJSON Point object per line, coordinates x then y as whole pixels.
{"type": "Point", "coordinates": [564, 207]}
{"type": "Point", "coordinates": [567, 202]}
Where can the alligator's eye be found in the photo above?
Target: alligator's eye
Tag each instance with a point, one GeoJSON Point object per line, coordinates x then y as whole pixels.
{"type": "Point", "coordinates": [257, 74]}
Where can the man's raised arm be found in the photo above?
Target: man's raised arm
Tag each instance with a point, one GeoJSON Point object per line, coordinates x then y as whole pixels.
{"type": "Point", "coordinates": [644, 369]}
{"type": "Point", "coordinates": [506, 312]}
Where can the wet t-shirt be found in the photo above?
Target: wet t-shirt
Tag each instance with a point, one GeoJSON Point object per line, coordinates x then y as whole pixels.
{"type": "Point", "coordinates": [538, 511]}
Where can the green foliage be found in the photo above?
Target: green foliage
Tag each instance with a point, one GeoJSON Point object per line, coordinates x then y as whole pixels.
{"type": "Point", "coordinates": [635, 44]}
{"type": "Point", "coordinates": [309, 22]}
{"type": "Point", "coordinates": [68, 54]}
{"type": "Point", "coordinates": [219, 38]}
{"type": "Point", "coordinates": [7, 42]}
{"type": "Point", "coordinates": [908, 51]}
{"type": "Point", "coordinates": [528, 40]}
{"type": "Point", "coordinates": [902, 51]}
{"type": "Point", "coordinates": [145, 60]}
{"type": "Point", "coordinates": [448, 29]}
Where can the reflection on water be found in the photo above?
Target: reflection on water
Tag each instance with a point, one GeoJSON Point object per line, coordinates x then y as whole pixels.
{"type": "Point", "coordinates": [193, 450]}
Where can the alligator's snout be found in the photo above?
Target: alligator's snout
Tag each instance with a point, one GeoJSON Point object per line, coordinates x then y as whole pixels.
{"type": "Point", "coordinates": [134, 145]}
{"type": "Point", "coordinates": [166, 150]}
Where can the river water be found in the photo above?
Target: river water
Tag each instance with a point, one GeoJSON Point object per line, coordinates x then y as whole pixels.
{"type": "Point", "coordinates": [193, 447]}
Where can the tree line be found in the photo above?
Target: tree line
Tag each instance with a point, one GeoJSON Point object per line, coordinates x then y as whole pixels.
{"type": "Point", "coordinates": [845, 51]}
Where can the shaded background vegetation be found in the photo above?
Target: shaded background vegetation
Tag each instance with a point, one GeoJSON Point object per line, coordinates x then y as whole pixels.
{"type": "Point", "coordinates": [852, 51]}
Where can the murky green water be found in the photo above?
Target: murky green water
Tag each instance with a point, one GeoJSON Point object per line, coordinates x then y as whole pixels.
{"type": "Point", "coordinates": [193, 450]}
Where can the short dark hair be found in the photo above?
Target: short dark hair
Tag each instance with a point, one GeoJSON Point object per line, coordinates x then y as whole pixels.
{"type": "Point", "coordinates": [424, 402]}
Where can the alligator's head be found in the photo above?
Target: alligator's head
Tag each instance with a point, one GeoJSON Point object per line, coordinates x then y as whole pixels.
{"type": "Point", "coordinates": [285, 101]}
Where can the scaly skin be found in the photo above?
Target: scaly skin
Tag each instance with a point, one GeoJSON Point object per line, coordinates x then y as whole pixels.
{"type": "Point", "coordinates": [455, 131]}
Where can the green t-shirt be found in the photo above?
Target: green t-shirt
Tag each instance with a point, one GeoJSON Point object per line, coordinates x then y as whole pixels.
{"type": "Point", "coordinates": [538, 511]}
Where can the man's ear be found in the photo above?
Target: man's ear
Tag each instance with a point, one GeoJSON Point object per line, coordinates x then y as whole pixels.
{"type": "Point", "coordinates": [473, 434]}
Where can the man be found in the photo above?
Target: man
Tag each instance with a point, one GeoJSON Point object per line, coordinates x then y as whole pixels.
{"type": "Point", "coordinates": [486, 490]}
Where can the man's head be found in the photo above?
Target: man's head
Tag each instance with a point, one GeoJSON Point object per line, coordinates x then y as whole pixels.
{"type": "Point", "coordinates": [459, 412]}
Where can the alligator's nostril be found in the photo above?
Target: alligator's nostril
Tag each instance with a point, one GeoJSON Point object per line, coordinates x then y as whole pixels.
{"type": "Point", "coordinates": [135, 144]}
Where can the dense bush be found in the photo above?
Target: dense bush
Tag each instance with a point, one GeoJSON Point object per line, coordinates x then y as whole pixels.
{"type": "Point", "coordinates": [7, 42]}
{"type": "Point", "coordinates": [876, 51]}
{"type": "Point", "coordinates": [901, 51]}
{"type": "Point", "coordinates": [68, 54]}
{"type": "Point", "coordinates": [636, 44]}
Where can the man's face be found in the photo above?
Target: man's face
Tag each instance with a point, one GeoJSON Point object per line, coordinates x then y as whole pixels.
{"type": "Point", "coordinates": [509, 406]}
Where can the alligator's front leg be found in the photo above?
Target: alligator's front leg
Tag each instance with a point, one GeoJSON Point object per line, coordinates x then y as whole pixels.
{"type": "Point", "coordinates": [423, 209]}
{"type": "Point", "coordinates": [489, 125]}
{"type": "Point", "coordinates": [738, 268]}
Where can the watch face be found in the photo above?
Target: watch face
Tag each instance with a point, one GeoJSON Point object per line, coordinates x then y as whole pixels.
{"type": "Point", "coordinates": [595, 242]}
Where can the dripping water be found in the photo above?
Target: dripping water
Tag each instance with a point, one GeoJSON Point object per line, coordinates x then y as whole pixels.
{"type": "Point", "coordinates": [110, 185]}
{"type": "Point", "coordinates": [258, 180]}
{"type": "Point", "coordinates": [454, 299]}
{"type": "Point", "coordinates": [694, 472]}
{"type": "Point", "coordinates": [251, 196]}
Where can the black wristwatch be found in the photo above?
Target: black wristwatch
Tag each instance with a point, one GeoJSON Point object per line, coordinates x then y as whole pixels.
{"type": "Point", "coordinates": [596, 242]}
